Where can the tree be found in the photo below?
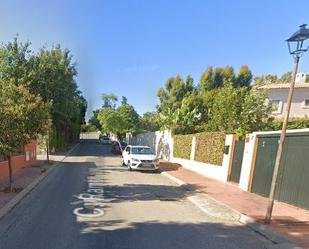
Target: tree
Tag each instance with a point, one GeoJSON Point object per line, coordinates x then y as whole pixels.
{"type": "Point", "coordinates": [215, 78]}
{"type": "Point", "coordinates": [171, 97]}
{"type": "Point", "coordinates": [118, 120]}
{"type": "Point", "coordinates": [192, 114]}
{"type": "Point", "coordinates": [236, 110]}
{"type": "Point", "coordinates": [266, 79]}
{"type": "Point", "coordinates": [15, 62]}
{"type": "Point", "coordinates": [244, 76]}
{"type": "Point", "coordinates": [206, 81]}
{"type": "Point", "coordinates": [50, 74]}
{"type": "Point", "coordinates": [110, 120]}
{"type": "Point", "coordinates": [150, 121]}
{"type": "Point", "coordinates": [130, 118]}
{"type": "Point", "coordinates": [286, 77]}
{"type": "Point", "coordinates": [109, 100]}
{"type": "Point", "coordinates": [124, 100]}
{"type": "Point", "coordinates": [23, 117]}
{"type": "Point", "coordinates": [94, 119]}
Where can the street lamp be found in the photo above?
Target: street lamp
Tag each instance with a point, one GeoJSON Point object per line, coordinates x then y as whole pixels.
{"type": "Point", "coordinates": [297, 47]}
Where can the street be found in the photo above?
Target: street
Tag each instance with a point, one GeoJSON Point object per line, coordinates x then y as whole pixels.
{"type": "Point", "coordinates": [135, 210]}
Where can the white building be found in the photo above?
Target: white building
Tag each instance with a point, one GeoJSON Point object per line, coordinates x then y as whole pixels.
{"type": "Point", "coordinates": [278, 94]}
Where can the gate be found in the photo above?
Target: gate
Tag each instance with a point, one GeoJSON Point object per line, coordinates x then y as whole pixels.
{"type": "Point", "coordinates": [237, 160]}
{"type": "Point", "coordinates": [293, 177]}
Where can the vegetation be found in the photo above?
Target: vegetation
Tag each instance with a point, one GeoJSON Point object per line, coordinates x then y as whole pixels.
{"type": "Point", "coordinates": [150, 122]}
{"type": "Point", "coordinates": [209, 147]}
{"type": "Point", "coordinates": [88, 128]}
{"type": "Point", "coordinates": [49, 74]}
{"type": "Point", "coordinates": [118, 120]}
{"type": "Point", "coordinates": [94, 119]}
{"type": "Point", "coordinates": [222, 101]}
{"type": "Point", "coordinates": [23, 117]}
{"type": "Point", "coordinates": [182, 146]}
{"type": "Point", "coordinates": [39, 97]}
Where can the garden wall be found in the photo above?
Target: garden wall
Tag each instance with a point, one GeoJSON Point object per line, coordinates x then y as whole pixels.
{"type": "Point", "coordinates": [20, 161]}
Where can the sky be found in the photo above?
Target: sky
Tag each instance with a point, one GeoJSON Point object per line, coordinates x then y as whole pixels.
{"type": "Point", "coordinates": [130, 47]}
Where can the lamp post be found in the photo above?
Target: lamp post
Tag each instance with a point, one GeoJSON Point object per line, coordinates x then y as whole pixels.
{"type": "Point", "coordinates": [296, 48]}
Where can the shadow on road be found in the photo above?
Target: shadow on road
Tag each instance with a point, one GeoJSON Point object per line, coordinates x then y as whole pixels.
{"type": "Point", "coordinates": [173, 235]}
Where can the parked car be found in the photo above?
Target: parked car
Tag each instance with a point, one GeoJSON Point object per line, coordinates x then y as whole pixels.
{"type": "Point", "coordinates": [116, 147]}
{"type": "Point", "coordinates": [105, 140]}
{"type": "Point", "coordinates": [140, 158]}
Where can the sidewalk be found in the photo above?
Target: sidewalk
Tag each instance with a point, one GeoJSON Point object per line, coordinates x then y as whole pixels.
{"type": "Point", "coordinates": [26, 176]}
{"type": "Point", "coordinates": [289, 221]}
{"type": "Point", "coordinates": [21, 179]}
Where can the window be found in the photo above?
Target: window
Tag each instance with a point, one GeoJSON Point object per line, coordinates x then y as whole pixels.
{"type": "Point", "coordinates": [141, 151]}
{"type": "Point", "coordinates": [276, 106]}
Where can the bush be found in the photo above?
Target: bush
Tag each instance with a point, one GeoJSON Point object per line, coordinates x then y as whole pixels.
{"type": "Point", "coordinates": [296, 123]}
{"type": "Point", "coordinates": [209, 147]}
{"type": "Point", "coordinates": [182, 146]}
{"type": "Point", "coordinates": [88, 128]}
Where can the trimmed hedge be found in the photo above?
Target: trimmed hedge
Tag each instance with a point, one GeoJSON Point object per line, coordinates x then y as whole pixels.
{"type": "Point", "coordinates": [209, 147]}
{"type": "Point", "coordinates": [182, 146]}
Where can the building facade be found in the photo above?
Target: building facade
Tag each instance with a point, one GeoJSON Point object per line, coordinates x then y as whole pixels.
{"type": "Point", "coordinates": [278, 94]}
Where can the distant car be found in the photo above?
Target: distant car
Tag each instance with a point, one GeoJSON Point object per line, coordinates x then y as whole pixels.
{"type": "Point", "coordinates": [105, 140]}
{"type": "Point", "coordinates": [140, 158]}
{"type": "Point", "coordinates": [116, 148]}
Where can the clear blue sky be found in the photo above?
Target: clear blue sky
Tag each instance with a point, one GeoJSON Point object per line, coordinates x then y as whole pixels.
{"type": "Point", "coordinates": [131, 47]}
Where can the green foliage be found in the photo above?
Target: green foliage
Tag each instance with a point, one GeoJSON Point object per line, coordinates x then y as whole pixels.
{"type": "Point", "coordinates": [110, 120]}
{"type": "Point", "coordinates": [23, 117]}
{"type": "Point", "coordinates": [118, 120]}
{"type": "Point", "coordinates": [182, 146]}
{"type": "Point", "coordinates": [171, 98]}
{"type": "Point", "coordinates": [244, 76]}
{"type": "Point", "coordinates": [109, 100]}
{"type": "Point", "coordinates": [150, 122]}
{"type": "Point", "coordinates": [94, 119]}
{"type": "Point", "coordinates": [129, 117]}
{"type": "Point", "coordinates": [296, 123]}
{"type": "Point", "coordinates": [88, 128]}
{"type": "Point", "coordinates": [286, 77]}
{"type": "Point", "coordinates": [209, 147]}
{"type": "Point", "coordinates": [223, 101]}
{"type": "Point", "coordinates": [49, 74]}
{"type": "Point", "coordinates": [236, 110]}
{"type": "Point", "coordinates": [215, 78]}
{"type": "Point", "coordinates": [191, 115]}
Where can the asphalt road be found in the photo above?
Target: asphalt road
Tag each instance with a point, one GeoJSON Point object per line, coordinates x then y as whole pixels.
{"type": "Point", "coordinates": [140, 211]}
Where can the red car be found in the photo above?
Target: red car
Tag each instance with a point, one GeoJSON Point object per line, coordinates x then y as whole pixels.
{"type": "Point", "coordinates": [116, 148]}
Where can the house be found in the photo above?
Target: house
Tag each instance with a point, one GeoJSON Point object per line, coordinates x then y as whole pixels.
{"type": "Point", "coordinates": [278, 94]}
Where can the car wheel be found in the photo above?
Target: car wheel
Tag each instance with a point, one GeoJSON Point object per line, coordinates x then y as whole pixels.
{"type": "Point", "coordinates": [129, 168]}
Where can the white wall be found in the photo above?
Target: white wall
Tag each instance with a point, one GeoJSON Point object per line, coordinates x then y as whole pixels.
{"type": "Point", "coordinates": [160, 142]}
{"type": "Point", "coordinates": [247, 162]}
{"type": "Point", "coordinates": [218, 172]}
{"type": "Point", "coordinates": [297, 108]}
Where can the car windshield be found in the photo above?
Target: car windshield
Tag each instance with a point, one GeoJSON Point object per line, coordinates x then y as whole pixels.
{"type": "Point", "coordinates": [142, 151]}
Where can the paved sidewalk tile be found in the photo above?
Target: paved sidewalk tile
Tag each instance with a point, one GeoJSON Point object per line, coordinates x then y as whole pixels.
{"type": "Point", "coordinates": [289, 221]}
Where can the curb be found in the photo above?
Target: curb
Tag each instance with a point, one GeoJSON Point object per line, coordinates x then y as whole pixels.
{"type": "Point", "coordinates": [279, 241]}
{"type": "Point", "coordinates": [12, 203]}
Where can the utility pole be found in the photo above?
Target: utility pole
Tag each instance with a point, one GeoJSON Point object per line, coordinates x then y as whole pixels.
{"type": "Point", "coordinates": [298, 39]}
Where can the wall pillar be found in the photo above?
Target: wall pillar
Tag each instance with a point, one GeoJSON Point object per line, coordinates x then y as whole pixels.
{"type": "Point", "coordinates": [248, 162]}
{"type": "Point", "coordinates": [193, 144]}
{"type": "Point", "coordinates": [228, 155]}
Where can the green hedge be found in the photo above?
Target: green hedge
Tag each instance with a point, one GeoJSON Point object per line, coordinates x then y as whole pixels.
{"type": "Point", "coordinates": [209, 147]}
{"type": "Point", "coordinates": [182, 146]}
